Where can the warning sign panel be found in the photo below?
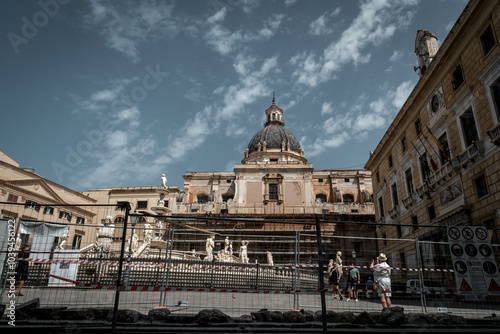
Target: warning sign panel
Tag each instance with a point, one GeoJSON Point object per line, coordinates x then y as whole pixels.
{"type": "Point", "coordinates": [476, 271]}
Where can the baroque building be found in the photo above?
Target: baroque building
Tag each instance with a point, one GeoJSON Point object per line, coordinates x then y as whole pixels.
{"type": "Point", "coordinates": [273, 181]}
{"type": "Point", "coordinates": [437, 164]}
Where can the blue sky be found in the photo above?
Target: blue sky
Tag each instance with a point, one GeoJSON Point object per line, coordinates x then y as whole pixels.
{"type": "Point", "coordinates": [98, 94]}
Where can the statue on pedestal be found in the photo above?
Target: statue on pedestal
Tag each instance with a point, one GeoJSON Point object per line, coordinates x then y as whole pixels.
{"type": "Point", "coordinates": [105, 233]}
{"type": "Point", "coordinates": [243, 252]}
{"type": "Point", "coordinates": [270, 258]}
{"type": "Point", "coordinates": [209, 248]}
{"type": "Point", "coordinates": [163, 181]}
{"type": "Point", "coordinates": [159, 230]}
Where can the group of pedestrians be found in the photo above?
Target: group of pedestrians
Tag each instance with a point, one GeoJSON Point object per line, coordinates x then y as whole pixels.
{"type": "Point", "coordinates": [381, 282]}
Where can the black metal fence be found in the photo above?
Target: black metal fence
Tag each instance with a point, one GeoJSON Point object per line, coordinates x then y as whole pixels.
{"type": "Point", "coordinates": [159, 260]}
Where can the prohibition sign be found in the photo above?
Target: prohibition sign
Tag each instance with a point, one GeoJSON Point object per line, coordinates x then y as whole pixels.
{"type": "Point", "coordinates": [454, 233]}
{"type": "Point", "coordinates": [467, 233]}
{"type": "Point", "coordinates": [481, 234]}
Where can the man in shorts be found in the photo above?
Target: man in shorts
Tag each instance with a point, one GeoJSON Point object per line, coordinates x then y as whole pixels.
{"type": "Point", "coordinates": [353, 282]}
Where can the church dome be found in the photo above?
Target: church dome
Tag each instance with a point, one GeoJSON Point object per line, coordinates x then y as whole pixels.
{"type": "Point", "coordinates": [274, 135]}
{"type": "Point", "coordinates": [274, 142]}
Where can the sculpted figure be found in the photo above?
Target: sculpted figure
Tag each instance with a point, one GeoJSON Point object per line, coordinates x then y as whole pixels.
{"type": "Point", "coordinates": [338, 259]}
{"type": "Point", "coordinates": [243, 252]}
{"type": "Point", "coordinates": [105, 233]}
{"type": "Point", "coordinates": [270, 258]}
{"type": "Point", "coordinates": [209, 247]}
{"type": "Point", "coordinates": [163, 181]}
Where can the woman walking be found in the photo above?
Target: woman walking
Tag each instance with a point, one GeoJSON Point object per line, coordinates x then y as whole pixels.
{"type": "Point", "coordinates": [382, 278]}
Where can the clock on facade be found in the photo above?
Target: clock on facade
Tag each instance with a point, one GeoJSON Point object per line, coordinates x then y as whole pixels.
{"type": "Point", "coordinates": [435, 103]}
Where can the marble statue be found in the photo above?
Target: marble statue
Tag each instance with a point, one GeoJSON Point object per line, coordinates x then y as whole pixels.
{"type": "Point", "coordinates": [209, 247]}
{"type": "Point", "coordinates": [163, 181]}
{"type": "Point", "coordinates": [148, 233]}
{"type": "Point", "coordinates": [62, 242]}
{"type": "Point", "coordinates": [159, 230]}
{"type": "Point", "coordinates": [338, 259]}
{"type": "Point", "coordinates": [161, 201]}
{"type": "Point", "coordinates": [243, 252]}
{"type": "Point", "coordinates": [105, 233]}
{"type": "Point", "coordinates": [270, 258]}
{"type": "Point", "coordinates": [135, 243]}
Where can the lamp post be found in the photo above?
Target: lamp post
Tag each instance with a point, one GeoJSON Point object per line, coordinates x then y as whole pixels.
{"type": "Point", "coordinates": [126, 276]}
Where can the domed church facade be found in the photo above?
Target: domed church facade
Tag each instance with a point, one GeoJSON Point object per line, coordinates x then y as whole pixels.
{"type": "Point", "coordinates": [274, 177]}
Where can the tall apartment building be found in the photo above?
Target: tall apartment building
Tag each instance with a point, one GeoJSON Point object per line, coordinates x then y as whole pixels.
{"type": "Point", "coordinates": [438, 163]}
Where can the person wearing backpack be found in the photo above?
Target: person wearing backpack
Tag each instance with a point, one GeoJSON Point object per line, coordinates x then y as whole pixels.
{"type": "Point", "coordinates": [353, 282]}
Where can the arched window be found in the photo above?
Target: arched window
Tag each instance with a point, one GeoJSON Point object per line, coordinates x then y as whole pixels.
{"type": "Point", "coordinates": [119, 220]}
{"type": "Point", "coordinates": [321, 197]}
{"type": "Point", "coordinates": [348, 198]}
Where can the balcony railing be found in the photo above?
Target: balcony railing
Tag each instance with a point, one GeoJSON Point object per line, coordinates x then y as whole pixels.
{"type": "Point", "coordinates": [495, 135]}
{"type": "Point", "coordinates": [472, 153]}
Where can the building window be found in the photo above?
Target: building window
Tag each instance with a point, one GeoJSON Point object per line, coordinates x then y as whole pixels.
{"type": "Point", "coordinates": [348, 198]}
{"type": "Point", "coordinates": [424, 168]}
{"type": "Point", "coordinates": [394, 192]}
{"type": "Point", "coordinates": [400, 232]}
{"type": "Point", "coordinates": [77, 241]}
{"type": "Point", "coordinates": [346, 180]}
{"type": "Point", "coordinates": [321, 197]}
{"type": "Point", "coordinates": [495, 92]}
{"type": "Point", "coordinates": [481, 187]}
{"type": "Point", "coordinates": [320, 180]}
{"type": "Point", "coordinates": [273, 191]}
{"type": "Point", "coordinates": [142, 204]}
{"type": "Point", "coordinates": [403, 259]}
{"type": "Point", "coordinates": [12, 198]}
{"type": "Point", "coordinates": [202, 199]}
{"type": "Point", "coordinates": [418, 127]}
{"type": "Point", "coordinates": [469, 127]}
{"type": "Point", "coordinates": [119, 220]}
{"type": "Point", "coordinates": [48, 210]}
{"type": "Point", "coordinates": [381, 207]}
{"type": "Point", "coordinates": [385, 239]}
{"type": "Point", "coordinates": [445, 153]}
{"type": "Point", "coordinates": [414, 221]}
{"type": "Point", "coordinates": [409, 181]}
{"type": "Point", "coordinates": [457, 78]}
{"type": "Point", "coordinates": [32, 205]}
{"type": "Point", "coordinates": [324, 211]}
{"type": "Point", "coordinates": [378, 177]}
{"type": "Point", "coordinates": [487, 40]}
{"type": "Point", "coordinates": [120, 206]}
{"type": "Point", "coordinates": [64, 215]}
{"type": "Point", "coordinates": [432, 212]}
{"type": "Point", "coordinates": [80, 220]}
{"type": "Point", "coordinates": [226, 198]}
{"type": "Point", "coordinates": [228, 181]}
{"type": "Point", "coordinates": [404, 144]}
{"type": "Point", "coordinates": [390, 161]}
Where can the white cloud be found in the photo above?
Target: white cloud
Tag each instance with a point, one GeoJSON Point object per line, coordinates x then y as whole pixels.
{"type": "Point", "coordinates": [322, 25]}
{"type": "Point", "coordinates": [290, 2]}
{"type": "Point", "coordinates": [127, 24]}
{"type": "Point", "coordinates": [376, 22]}
{"type": "Point", "coordinates": [225, 41]}
{"type": "Point", "coordinates": [326, 108]}
{"type": "Point", "coordinates": [396, 55]}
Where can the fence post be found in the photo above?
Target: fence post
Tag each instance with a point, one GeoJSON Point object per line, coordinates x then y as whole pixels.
{"type": "Point", "coordinates": [420, 276]}
{"type": "Point", "coordinates": [320, 273]}
{"type": "Point", "coordinates": [126, 205]}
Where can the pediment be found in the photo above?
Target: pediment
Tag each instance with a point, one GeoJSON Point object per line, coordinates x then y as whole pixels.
{"type": "Point", "coordinates": [36, 187]}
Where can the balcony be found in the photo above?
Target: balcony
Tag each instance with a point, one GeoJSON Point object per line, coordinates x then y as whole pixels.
{"type": "Point", "coordinates": [495, 135]}
{"type": "Point", "coordinates": [394, 212]}
{"type": "Point", "coordinates": [471, 155]}
{"type": "Point", "coordinates": [441, 175]}
{"type": "Point", "coordinates": [408, 201]}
